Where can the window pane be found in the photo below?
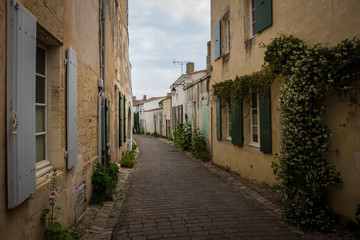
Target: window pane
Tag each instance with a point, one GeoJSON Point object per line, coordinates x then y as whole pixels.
{"type": "Point", "coordinates": [40, 89]}
{"type": "Point", "coordinates": [40, 148]}
{"type": "Point", "coordinates": [255, 135]}
{"type": "Point", "coordinates": [40, 60]}
{"type": "Point", "coordinates": [40, 119]}
{"type": "Point", "coordinates": [254, 117]}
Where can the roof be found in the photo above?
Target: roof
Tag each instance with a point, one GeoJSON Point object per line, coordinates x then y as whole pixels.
{"type": "Point", "coordinates": [142, 101]}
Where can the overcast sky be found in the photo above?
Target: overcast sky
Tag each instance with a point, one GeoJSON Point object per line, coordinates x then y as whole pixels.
{"type": "Point", "coordinates": [161, 31]}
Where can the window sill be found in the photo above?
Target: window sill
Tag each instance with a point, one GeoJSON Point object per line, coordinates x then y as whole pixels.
{"type": "Point", "coordinates": [225, 57]}
{"type": "Point", "coordinates": [43, 168]}
{"type": "Point", "coordinates": [254, 145]}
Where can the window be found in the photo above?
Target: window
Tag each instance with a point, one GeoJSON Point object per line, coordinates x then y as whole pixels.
{"type": "Point", "coordinates": [254, 121]}
{"type": "Point", "coordinates": [229, 120]}
{"type": "Point", "coordinates": [260, 15]}
{"type": "Point", "coordinates": [40, 103]}
{"type": "Point", "coordinates": [227, 36]}
{"type": "Point", "coordinates": [252, 18]}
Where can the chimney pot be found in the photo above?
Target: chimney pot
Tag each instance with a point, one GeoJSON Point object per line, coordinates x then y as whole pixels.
{"type": "Point", "coordinates": [144, 98]}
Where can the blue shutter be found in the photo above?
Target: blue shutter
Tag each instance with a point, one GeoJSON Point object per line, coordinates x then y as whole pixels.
{"type": "Point", "coordinates": [204, 117]}
{"type": "Point", "coordinates": [218, 119]}
{"type": "Point", "coordinates": [263, 14]}
{"type": "Point", "coordinates": [20, 103]}
{"type": "Point", "coordinates": [265, 123]}
{"type": "Point", "coordinates": [72, 137]}
{"type": "Point", "coordinates": [217, 40]}
{"type": "Point", "coordinates": [189, 113]}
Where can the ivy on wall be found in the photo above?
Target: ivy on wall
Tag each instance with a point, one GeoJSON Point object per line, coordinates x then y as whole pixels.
{"type": "Point", "coordinates": [311, 74]}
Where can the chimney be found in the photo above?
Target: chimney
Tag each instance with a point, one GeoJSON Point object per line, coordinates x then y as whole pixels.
{"type": "Point", "coordinates": [144, 98]}
{"type": "Point", "coordinates": [134, 98]}
{"type": "Point", "coordinates": [208, 57]}
{"type": "Point", "coordinates": [168, 94]}
{"type": "Point", "coordinates": [190, 66]}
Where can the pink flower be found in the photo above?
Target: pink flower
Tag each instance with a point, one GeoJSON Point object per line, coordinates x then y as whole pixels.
{"type": "Point", "coordinates": [53, 194]}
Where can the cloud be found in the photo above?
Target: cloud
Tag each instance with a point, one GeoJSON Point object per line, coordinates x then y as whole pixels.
{"type": "Point", "coordinates": [161, 31]}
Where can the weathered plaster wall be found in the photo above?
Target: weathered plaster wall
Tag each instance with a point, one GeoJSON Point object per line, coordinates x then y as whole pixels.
{"type": "Point", "coordinates": [316, 22]}
{"type": "Point", "coordinates": [165, 115]}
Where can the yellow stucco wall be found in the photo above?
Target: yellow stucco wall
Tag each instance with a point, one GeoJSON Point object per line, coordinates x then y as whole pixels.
{"type": "Point", "coordinates": [74, 24]}
{"type": "Point", "coordinates": [316, 22]}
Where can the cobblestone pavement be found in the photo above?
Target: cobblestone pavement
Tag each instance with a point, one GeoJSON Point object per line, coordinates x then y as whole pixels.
{"type": "Point", "coordinates": [172, 197]}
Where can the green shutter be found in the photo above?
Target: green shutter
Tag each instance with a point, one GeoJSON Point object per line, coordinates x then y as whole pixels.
{"type": "Point", "coordinates": [124, 118]}
{"type": "Point", "coordinates": [204, 117]}
{"type": "Point", "coordinates": [217, 40]}
{"type": "Point", "coordinates": [218, 119]}
{"type": "Point", "coordinates": [263, 14]}
{"type": "Point", "coordinates": [107, 123]}
{"type": "Point", "coordinates": [237, 122]}
{"type": "Point", "coordinates": [120, 119]}
{"type": "Point", "coordinates": [265, 123]}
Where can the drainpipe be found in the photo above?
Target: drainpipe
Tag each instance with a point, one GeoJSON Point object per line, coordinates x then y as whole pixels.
{"type": "Point", "coordinates": [101, 87]}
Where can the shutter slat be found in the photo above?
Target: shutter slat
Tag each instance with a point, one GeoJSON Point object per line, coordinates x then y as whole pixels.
{"type": "Point", "coordinates": [204, 117]}
{"type": "Point", "coordinates": [72, 137]}
{"type": "Point", "coordinates": [265, 123]}
{"type": "Point", "coordinates": [237, 122]}
{"type": "Point", "coordinates": [21, 59]}
{"type": "Point", "coordinates": [120, 119]}
{"type": "Point", "coordinates": [218, 119]}
{"type": "Point", "coordinates": [263, 14]}
{"type": "Point", "coordinates": [217, 40]}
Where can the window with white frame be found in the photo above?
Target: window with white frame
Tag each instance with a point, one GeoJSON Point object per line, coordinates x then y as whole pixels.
{"type": "Point", "coordinates": [254, 121]}
{"type": "Point", "coordinates": [225, 21]}
{"type": "Point", "coordinates": [41, 105]}
{"type": "Point", "coordinates": [252, 18]}
{"type": "Point", "coordinates": [227, 36]}
{"type": "Point", "coordinates": [229, 120]}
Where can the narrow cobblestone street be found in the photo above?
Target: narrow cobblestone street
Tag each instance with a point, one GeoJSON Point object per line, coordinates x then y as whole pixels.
{"type": "Point", "coordinates": [172, 197]}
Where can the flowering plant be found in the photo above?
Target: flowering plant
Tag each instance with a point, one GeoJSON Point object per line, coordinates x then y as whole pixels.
{"type": "Point", "coordinates": [49, 215]}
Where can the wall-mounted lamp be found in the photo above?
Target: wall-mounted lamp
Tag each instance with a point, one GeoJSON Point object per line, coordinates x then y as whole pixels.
{"type": "Point", "coordinates": [173, 90]}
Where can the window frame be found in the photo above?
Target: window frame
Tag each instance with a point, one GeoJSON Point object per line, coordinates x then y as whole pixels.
{"type": "Point", "coordinates": [252, 142]}
{"type": "Point", "coordinates": [228, 122]}
{"type": "Point", "coordinates": [42, 163]}
{"type": "Point", "coordinates": [252, 19]}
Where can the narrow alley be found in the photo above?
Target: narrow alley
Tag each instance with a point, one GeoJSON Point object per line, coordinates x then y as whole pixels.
{"type": "Point", "coordinates": [171, 196]}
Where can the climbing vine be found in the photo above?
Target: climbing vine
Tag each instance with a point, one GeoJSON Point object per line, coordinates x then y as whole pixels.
{"type": "Point", "coordinates": [311, 73]}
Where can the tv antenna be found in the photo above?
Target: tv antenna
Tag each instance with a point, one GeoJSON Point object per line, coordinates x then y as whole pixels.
{"type": "Point", "coordinates": [181, 63]}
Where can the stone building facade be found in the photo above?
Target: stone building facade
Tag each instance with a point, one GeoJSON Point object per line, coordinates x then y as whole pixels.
{"type": "Point", "coordinates": [57, 88]}
{"type": "Point", "coordinates": [235, 37]}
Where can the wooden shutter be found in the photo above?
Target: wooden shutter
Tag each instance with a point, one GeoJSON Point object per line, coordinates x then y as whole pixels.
{"type": "Point", "coordinates": [72, 137]}
{"type": "Point", "coordinates": [124, 118]}
{"type": "Point", "coordinates": [20, 103]}
{"type": "Point", "coordinates": [190, 113]}
{"type": "Point", "coordinates": [265, 123]}
{"type": "Point", "coordinates": [263, 14]}
{"type": "Point", "coordinates": [204, 117]}
{"type": "Point", "coordinates": [237, 122]}
{"type": "Point", "coordinates": [120, 120]}
{"type": "Point", "coordinates": [217, 40]}
{"type": "Point", "coordinates": [218, 119]}
{"type": "Point", "coordinates": [107, 123]}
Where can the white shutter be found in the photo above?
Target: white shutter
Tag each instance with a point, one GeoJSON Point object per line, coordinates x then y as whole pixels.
{"type": "Point", "coordinates": [20, 103]}
{"type": "Point", "coordinates": [72, 133]}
